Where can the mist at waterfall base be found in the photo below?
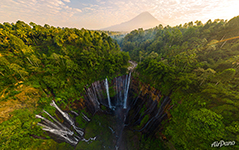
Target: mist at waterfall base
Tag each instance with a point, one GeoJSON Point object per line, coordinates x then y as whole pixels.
{"type": "Point", "coordinates": [128, 107]}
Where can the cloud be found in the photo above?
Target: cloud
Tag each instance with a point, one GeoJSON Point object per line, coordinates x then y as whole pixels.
{"type": "Point", "coordinates": [172, 12]}
{"type": "Point", "coordinates": [78, 10]}
{"type": "Point", "coordinates": [68, 1]}
{"type": "Point", "coordinates": [54, 12]}
{"type": "Point", "coordinates": [96, 14]}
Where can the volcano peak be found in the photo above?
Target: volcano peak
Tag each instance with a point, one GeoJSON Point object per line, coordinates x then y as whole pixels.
{"type": "Point", "coordinates": [144, 20]}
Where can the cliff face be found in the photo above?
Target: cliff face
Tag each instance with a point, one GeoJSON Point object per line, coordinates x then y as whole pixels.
{"type": "Point", "coordinates": [151, 108]}
{"type": "Point", "coordinates": [146, 110]}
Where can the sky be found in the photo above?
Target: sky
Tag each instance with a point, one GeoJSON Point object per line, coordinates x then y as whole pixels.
{"type": "Point", "coordinates": [98, 14]}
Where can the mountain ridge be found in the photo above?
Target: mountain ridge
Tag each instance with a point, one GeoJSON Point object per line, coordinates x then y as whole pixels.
{"type": "Point", "coordinates": [144, 20]}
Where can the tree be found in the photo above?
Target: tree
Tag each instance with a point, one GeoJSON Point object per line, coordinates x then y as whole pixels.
{"type": "Point", "coordinates": [199, 23]}
{"type": "Point", "coordinates": [211, 46]}
{"type": "Point", "coordinates": [18, 69]}
{"type": "Point", "coordinates": [152, 55]}
{"type": "Point", "coordinates": [204, 126]}
{"type": "Point", "coordinates": [35, 60]}
{"type": "Point", "coordinates": [204, 74]}
{"type": "Point", "coordinates": [177, 36]}
{"type": "Point", "coordinates": [225, 75]}
{"type": "Point", "coordinates": [17, 45]}
{"type": "Point", "coordinates": [140, 55]}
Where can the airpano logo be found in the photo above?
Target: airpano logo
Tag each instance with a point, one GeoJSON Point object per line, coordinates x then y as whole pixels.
{"type": "Point", "coordinates": [222, 143]}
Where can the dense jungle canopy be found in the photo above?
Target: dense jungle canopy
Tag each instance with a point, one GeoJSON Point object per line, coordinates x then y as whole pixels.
{"type": "Point", "coordinates": [38, 64]}
{"type": "Point", "coordinates": [199, 62]}
{"type": "Point", "coordinates": [196, 63]}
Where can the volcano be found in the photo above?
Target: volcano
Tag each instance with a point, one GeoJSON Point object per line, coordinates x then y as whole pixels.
{"type": "Point", "coordinates": [144, 20]}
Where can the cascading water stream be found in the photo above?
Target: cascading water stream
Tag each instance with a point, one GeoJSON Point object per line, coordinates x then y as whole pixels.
{"type": "Point", "coordinates": [98, 95]}
{"type": "Point", "coordinates": [126, 92]}
{"type": "Point", "coordinates": [61, 131]}
{"type": "Point", "coordinates": [108, 95]}
{"type": "Point", "coordinates": [68, 118]}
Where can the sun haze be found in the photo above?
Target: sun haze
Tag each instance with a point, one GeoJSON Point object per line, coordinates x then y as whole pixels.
{"type": "Point", "coordinates": [97, 14]}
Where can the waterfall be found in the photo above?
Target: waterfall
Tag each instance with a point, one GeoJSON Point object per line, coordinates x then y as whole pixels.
{"type": "Point", "coordinates": [92, 139]}
{"type": "Point", "coordinates": [68, 118]}
{"type": "Point", "coordinates": [85, 117]}
{"type": "Point", "coordinates": [61, 131]}
{"type": "Point", "coordinates": [95, 93]}
{"type": "Point", "coordinates": [126, 92]}
{"type": "Point", "coordinates": [127, 111]}
{"type": "Point", "coordinates": [92, 96]}
{"type": "Point", "coordinates": [108, 95]}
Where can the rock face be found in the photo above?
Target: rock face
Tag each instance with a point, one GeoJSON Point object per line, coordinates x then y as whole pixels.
{"type": "Point", "coordinates": [144, 20]}
{"type": "Point", "coordinates": [134, 105]}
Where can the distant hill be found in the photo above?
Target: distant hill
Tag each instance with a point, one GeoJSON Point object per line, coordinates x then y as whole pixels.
{"type": "Point", "coordinates": [144, 20]}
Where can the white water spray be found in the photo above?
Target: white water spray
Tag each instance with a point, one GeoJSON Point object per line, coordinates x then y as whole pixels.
{"type": "Point", "coordinates": [127, 91]}
{"type": "Point", "coordinates": [108, 95]}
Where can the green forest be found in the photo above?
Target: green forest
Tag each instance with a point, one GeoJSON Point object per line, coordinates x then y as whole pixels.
{"type": "Point", "coordinates": [196, 63]}
{"type": "Point", "coordinates": [199, 64]}
{"type": "Point", "coordinates": [41, 63]}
